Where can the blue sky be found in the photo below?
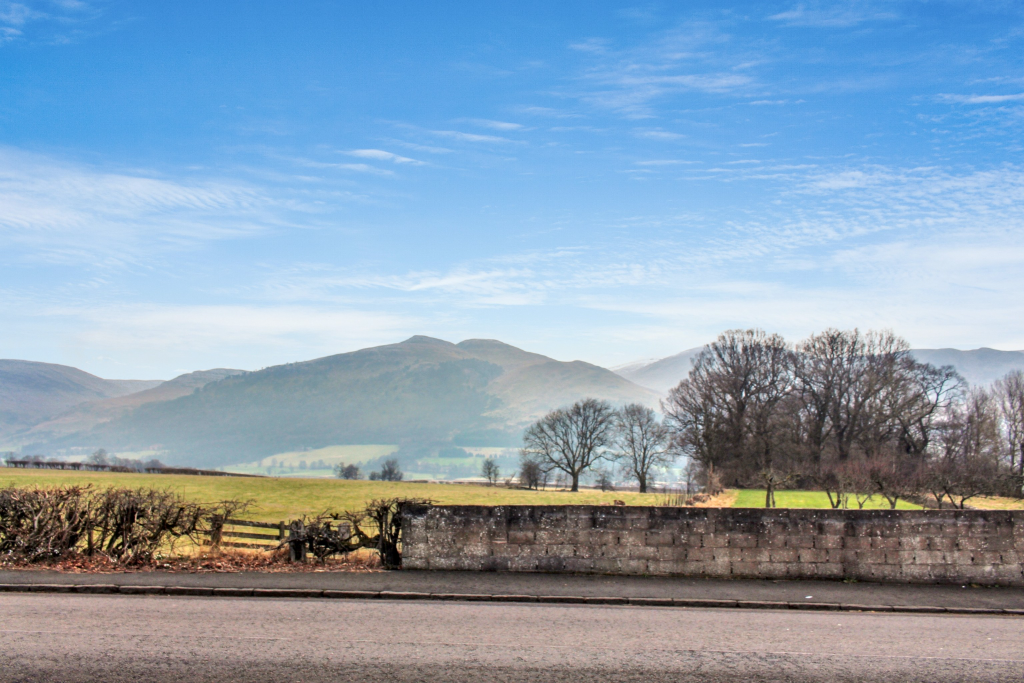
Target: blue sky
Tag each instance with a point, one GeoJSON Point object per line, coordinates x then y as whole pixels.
{"type": "Point", "coordinates": [240, 184]}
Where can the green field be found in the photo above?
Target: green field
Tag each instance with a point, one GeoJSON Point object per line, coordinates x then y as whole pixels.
{"type": "Point", "coordinates": [754, 498]}
{"type": "Point", "coordinates": [282, 498]}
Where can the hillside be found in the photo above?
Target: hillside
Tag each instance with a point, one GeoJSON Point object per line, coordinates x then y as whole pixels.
{"type": "Point", "coordinates": [86, 416]}
{"type": "Point", "coordinates": [31, 392]}
{"type": "Point", "coordinates": [423, 390]}
{"type": "Point", "coordinates": [978, 366]}
{"type": "Point", "coordinates": [660, 375]}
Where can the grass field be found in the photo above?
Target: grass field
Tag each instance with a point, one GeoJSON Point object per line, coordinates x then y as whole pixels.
{"type": "Point", "coordinates": [283, 498]}
{"type": "Point", "coordinates": [754, 498]}
{"type": "Point", "coordinates": [280, 498]}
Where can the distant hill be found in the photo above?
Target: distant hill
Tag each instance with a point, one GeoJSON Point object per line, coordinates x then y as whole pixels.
{"type": "Point", "coordinates": [660, 375]}
{"type": "Point", "coordinates": [980, 367]}
{"type": "Point", "coordinates": [423, 390]}
{"type": "Point", "coordinates": [86, 416]}
{"type": "Point", "coordinates": [31, 392]}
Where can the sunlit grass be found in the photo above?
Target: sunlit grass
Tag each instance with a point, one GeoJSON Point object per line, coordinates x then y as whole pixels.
{"type": "Point", "coordinates": [280, 498]}
{"type": "Point", "coordinates": [754, 498]}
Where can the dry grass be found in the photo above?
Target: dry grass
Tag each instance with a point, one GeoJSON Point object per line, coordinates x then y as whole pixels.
{"type": "Point", "coordinates": [281, 498]}
{"type": "Point", "coordinates": [996, 503]}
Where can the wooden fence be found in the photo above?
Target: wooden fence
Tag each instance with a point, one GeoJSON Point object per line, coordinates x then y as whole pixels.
{"type": "Point", "coordinates": [221, 529]}
{"type": "Point", "coordinates": [292, 534]}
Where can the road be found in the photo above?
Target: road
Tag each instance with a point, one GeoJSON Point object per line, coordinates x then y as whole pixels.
{"type": "Point", "coordinates": [69, 638]}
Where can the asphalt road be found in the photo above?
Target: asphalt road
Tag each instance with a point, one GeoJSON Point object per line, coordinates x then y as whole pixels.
{"type": "Point", "coordinates": [69, 638]}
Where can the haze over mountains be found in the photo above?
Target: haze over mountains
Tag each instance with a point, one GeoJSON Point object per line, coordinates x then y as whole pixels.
{"type": "Point", "coordinates": [420, 392]}
{"type": "Point", "coordinates": [979, 367]}
{"type": "Point", "coordinates": [31, 392]}
{"type": "Point", "coordinates": [475, 393]}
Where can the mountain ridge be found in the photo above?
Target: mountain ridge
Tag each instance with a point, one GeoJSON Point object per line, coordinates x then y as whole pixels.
{"type": "Point", "coordinates": [979, 367]}
{"type": "Point", "coordinates": [421, 390]}
{"type": "Point", "coordinates": [31, 391]}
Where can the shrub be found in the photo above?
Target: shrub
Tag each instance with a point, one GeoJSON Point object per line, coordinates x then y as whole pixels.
{"type": "Point", "coordinates": [129, 526]}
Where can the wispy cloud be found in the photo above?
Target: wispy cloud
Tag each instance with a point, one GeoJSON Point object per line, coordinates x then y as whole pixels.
{"type": "Point", "coordinates": [471, 137]}
{"type": "Point", "coordinates": [833, 14]}
{"type": "Point", "coordinates": [658, 135]}
{"type": "Point", "coordinates": [60, 211]}
{"type": "Point", "coordinates": [664, 162]}
{"type": "Point", "coordinates": [494, 125]}
{"type": "Point", "coordinates": [693, 57]}
{"type": "Point", "coordinates": [982, 99]}
{"type": "Point", "coordinates": [381, 155]}
{"type": "Point", "coordinates": [50, 21]}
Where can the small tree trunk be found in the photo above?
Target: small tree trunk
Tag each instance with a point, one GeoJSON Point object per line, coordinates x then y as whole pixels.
{"type": "Point", "coordinates": [643, 484]}
{"type": "Point", "coordinates": [575, 481]}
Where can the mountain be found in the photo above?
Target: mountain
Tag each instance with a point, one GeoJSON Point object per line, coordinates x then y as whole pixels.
{"type": "Point", "coordinates": [31, 392]}
{"type": "Point", "coordinates": [476, 393]}
{"type": "Point", "coordinates": [86, 416]}
{"type": "Point", "coordinates": [978, 366]}
{"type": "Point", "coordinates": [660, 375]}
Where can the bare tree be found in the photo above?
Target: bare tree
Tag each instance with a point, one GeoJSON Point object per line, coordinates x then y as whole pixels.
{"type": "Point", "coordinates": [894, 475]}
{"type": "Point", "coordinates": [490, 471]}
{"type": "Point", "coordinates": [604, 480]}
{"type": "Point", "coordinates": [532, 475]}
{"type": "Point", "coordinates": [388, 472]}
{"type": "Point", "coordinates": [1010, 392]}
{"type": "Point", "coordinates": [642, 443]}
{"type": "Point", "coordinates": [731, 407]}
{"type": "Point", "coordinates": [347, 471]}
{"type": "Point", "coordinates": [571, 440]}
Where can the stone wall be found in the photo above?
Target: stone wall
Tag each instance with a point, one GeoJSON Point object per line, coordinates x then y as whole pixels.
{"type": "Point", "coordinates": [906, 546]}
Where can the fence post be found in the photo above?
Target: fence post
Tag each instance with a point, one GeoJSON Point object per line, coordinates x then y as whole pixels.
{"type": "Point", "coordinates": [297, 542]}
{"type": "Point", "coordinates": [216, 530]}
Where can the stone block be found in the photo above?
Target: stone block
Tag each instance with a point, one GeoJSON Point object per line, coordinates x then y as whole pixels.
{"type": "Point", "coordinates": [771, 541]}
{"type": "Point", "coordinates": [784, 555]}
{"type": "Point", "coordinates": [800, 541]}
{"type": "Point", "coordinates": [742, 540]}
{"type": "Point", "coordinates": [550, 536]}
{"type": "Point", "coordinates": [812, 555]}
{"type": "Point", "coordinates": [632, 537]}
{"type": "Point", "coordinates": [745, 569]}
{"type": "Point", "coordinates": [913, 543]}
{"type": "Point", "coordinates": [857, 542]}
{"type": "Point", "coordinates": [870, 557]}
{"type": "Point", "coordinates": [521, 537]}
{"type": "Point", "coordinates": [660, 538]}
{"type": "Point", "coordinates": [663, 568]}
{"type": "Point", "coordinates": [644, 552]}
{"type": "Point", "coordinates": [714, 540]}
{"type": "Point", "coordinates": [699, 554]}
{"type": "Point", "coordinates": [829, 542]}
{"type": "Point", "coordinates": [772, 570]}
{"type": "Point", "coordinates": [671, 553]}
{"type": "Point", "coordinates": [830, 570]}
{"type": "Point", "coordinates": [756, 555]}
{"type": "Point", "coordinates": [560, 550]}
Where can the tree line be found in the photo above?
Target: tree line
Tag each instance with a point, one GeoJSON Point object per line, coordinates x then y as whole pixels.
{"type": "Point", "coordinates": [848, 412]}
